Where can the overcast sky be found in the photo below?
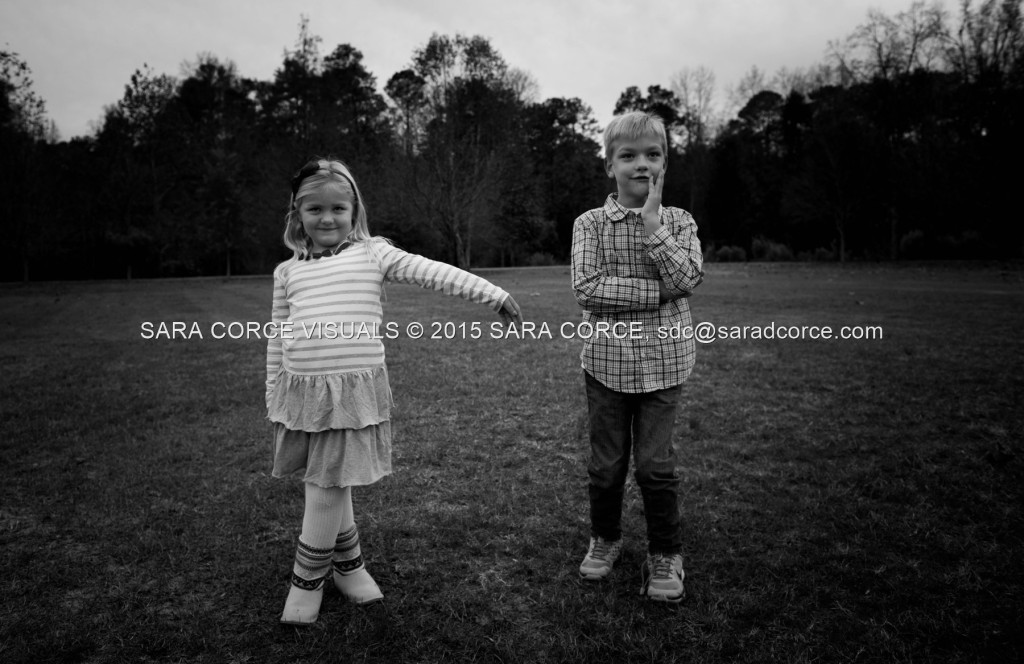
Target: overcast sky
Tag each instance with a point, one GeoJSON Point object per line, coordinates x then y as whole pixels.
{"type": "Point", "coordinates": [83, 52]}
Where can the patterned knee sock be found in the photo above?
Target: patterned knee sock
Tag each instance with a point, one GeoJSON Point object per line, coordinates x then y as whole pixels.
{"type": "Point", "coordinates": [347, 554]}
{"type": "Point", "coordinates": [311, 566]}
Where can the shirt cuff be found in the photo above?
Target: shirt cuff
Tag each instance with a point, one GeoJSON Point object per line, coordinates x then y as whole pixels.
{"type": "Point", "coordinates": [650, 294]}
{"type": "Point", "coordinates": [658, 237]}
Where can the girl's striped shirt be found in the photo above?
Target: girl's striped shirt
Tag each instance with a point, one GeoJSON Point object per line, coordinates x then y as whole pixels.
{"type": "Point", "coordinates": [334, 306]}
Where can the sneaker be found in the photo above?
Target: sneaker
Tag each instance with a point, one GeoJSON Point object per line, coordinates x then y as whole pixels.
{"type": "Point", "coordinates": [663, 578]}
{"type": "Point", "coordinates": [600, 558]}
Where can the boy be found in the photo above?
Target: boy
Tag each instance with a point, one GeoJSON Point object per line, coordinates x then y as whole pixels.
{"type": "Point", "coordinates": [634, 261]}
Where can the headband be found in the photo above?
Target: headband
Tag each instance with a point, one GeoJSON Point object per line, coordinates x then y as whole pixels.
{"type": "Point", "coordinates": [316, 166]}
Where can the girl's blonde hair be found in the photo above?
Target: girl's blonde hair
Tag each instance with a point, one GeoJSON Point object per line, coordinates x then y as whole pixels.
{"type": "Point", "coordinates": [315, 174]}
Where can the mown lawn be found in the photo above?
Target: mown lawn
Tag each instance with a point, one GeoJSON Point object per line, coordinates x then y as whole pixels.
{"type": "Point", "coordinates": [845, 501]}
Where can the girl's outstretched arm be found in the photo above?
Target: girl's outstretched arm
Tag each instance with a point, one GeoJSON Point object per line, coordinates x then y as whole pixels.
{"type": "Point", "coordinates": [402, 267]}
{"type": "Point", "coordinates": [510, 312]}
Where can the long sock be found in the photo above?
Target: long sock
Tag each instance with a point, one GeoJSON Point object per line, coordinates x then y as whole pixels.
{"type": "Point", "coordinates": [320, 524]}
{"type": "Point", "coordinates": [347, 553]}
{"type": "Point", "coordinates": [311, 566]}
{"type": "Point", "coordinates": [348, 518]}
{"type": "Point", "coordinates": [351, 577]}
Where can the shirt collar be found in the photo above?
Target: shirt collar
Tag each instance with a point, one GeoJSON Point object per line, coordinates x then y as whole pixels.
{"type": "Point", "coordinates": [615, 211]}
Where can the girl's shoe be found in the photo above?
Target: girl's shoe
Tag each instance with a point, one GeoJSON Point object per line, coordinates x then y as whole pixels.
{"type": "Point", "coordinates": [355, 583]}
{"type": "Point", "coordinates": [302, 607]}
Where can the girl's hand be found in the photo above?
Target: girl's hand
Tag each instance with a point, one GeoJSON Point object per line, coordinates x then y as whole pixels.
{"type": "Point", "coordinates": [510, 312]}
{"type": "Point", "coordinates": [650, 212]}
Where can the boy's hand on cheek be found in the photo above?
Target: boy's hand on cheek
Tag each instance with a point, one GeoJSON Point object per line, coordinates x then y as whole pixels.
{"type": "Point", "coordinates": [650, 212]}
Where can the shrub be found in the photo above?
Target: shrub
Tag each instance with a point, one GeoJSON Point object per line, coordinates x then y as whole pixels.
{"type": "Point", "coordinates": [731, 254]}
{"type": "Point", "coordinates": [912, 245]}
{"type": "Point", "coordinates": [768, 250]}
{"type": "Point", "coordinates": [539, 258]}
{"type": "Point", "coordinates": [819, 255]}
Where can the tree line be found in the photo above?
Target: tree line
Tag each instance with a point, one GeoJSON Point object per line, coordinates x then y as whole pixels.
{"type": "Point", "coordinates": [902, 144]}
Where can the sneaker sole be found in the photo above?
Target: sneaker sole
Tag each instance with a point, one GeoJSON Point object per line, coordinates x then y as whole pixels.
{"type": "Point", "coordinates": [594, 577]}
{"type": "Point", "coordinates": [657, 597]}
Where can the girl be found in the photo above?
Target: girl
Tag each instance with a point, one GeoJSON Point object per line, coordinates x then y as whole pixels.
{"type": "Point", "coordinates": [327, 386]}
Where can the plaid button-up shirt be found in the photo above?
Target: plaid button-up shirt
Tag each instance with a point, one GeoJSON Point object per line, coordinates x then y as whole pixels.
{"type": "Point", "coordinates": [616, 267]}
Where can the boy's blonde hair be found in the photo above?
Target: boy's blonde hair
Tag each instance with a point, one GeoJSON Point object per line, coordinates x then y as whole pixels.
{"type": "Point", "coordinates": [632, 126]}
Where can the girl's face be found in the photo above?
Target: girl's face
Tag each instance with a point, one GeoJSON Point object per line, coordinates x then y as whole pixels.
{"type": "Point", "coordinates": [326, 215]}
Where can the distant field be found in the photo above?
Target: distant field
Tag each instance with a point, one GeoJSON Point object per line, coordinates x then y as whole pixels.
{"type": "Point", "coordinates": [844, 500]}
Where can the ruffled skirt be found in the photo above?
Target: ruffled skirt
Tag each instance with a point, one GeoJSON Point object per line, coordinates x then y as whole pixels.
{"type": "Point", "coordinates": [336, 457]}
{"type": "Point", "coordinates": [335, 428]}
{"type": "Point", "coordinates": [349, 400]}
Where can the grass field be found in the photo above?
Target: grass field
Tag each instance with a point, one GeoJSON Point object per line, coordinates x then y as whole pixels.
{"type": "Point", "coordinates": [845, 501]}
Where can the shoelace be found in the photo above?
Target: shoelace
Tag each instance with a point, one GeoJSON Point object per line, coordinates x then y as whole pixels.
{"type": "Point", "coordinates": [601, 550]}
{"type": "Point", "coordinates": [661, 567]}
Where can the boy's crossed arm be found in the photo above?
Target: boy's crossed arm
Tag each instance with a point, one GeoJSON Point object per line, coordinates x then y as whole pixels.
{"type": "Point", "coordinates": [678, 258]}
{"type": "Point", "coordinates": [598, 291]}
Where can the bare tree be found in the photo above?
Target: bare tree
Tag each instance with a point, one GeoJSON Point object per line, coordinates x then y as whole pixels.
{"type": "Point", "coordinates": [888, 47]}
{"type": "Point", "coordinates": [752, 82]}
{"type": "Point", "coordinates": [988, 41]}
{"type": "Point", "coordinates": [695, 89]}
{"type": "Point", "coordinates": [523, 85]}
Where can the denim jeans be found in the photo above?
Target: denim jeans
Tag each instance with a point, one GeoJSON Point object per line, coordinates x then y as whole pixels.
{"type": "Point", "coordinates": [621, 422]}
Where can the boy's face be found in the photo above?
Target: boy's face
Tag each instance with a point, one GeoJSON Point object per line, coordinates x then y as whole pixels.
{"type": "Point", "coordinates": [632, 163]}
{"type": "Point", "coordinates": [326, 215]}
